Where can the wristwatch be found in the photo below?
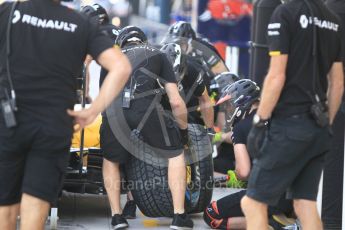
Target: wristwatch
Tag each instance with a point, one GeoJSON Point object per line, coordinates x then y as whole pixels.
{"type": "Point", "coordinates": [258, 122]}
{"type": "Point", "coordinates": [211, 131]}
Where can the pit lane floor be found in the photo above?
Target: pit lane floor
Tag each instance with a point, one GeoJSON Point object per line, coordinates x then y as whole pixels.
{"type": "Point", "coordinates": [92, 212]}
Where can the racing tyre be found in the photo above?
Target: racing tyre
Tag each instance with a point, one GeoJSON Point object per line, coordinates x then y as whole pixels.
{"type": "Point", "coordinates": [148, 181]}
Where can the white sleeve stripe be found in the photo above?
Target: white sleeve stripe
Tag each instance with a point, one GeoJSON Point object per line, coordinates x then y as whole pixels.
{"type": "Point", "coordinates": [273, 33]}
{"type": "Point", "coordinates": [274, 26]}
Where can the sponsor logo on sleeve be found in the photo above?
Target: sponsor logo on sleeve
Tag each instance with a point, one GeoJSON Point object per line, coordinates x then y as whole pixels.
{"type": "Point", "coordinates": [274, 26]}
{"type": "Point", "coordinates": [273, 29]}
{"type": "Point", "coordinates": [273, 33]}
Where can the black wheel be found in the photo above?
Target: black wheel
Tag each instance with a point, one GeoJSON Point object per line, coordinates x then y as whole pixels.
{"type": "Point", "coordinates": [149, 181]}
{"type": "Point", "coordinates": [199, 197]}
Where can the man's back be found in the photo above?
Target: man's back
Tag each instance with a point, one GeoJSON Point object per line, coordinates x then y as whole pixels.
{"type": "Point", "coordinates": [149, 65]}
{"type": "Point", "coordinates": [49, 43]}
{"type": "Point", "coordinates": [291, 32]}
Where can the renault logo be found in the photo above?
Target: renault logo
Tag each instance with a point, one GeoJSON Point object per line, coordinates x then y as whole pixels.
{"type": "Point", "coordinates": [304, 21]}
{"type": "Point", "coordinates": [16, 17]}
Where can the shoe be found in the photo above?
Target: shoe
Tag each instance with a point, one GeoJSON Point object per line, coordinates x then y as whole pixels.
{"type": "Point", "coordinates": [294, 226]}
{"type": "Point", "coordinates": [181, 222]}
{"type": "Point", "coordinates": [118, 222]}
{"type": "Point", "coordinates": [213, 219]}
{"type": "Point", "coordinates": [129, 212]}
{"type": "Point", "coordinates": [275, 223]}
{"type": "Point", "coordinates": [281, 222]}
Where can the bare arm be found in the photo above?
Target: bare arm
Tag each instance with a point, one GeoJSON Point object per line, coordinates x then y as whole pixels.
{"type": "Point", "coordinates": [87, 82]}
{"type": "Point", "coordinates": [226, 137]}
{"type": "Point", "coordinates": [119, 70]}
{"type": "Point", "coordinates": [335, 89]}
{"type": "Point", "coordinates": [273, 86]}
{"type": "Point", "coordinates": [242, 161]}
{"type": "Point", "coordinates": [206, 109]}
{"type": "Point", "coordinates": [220, 122]}
{"type": "Point", "coordinates": [177, 104]}
{"type": "Point", "coordinates": [87, 63]}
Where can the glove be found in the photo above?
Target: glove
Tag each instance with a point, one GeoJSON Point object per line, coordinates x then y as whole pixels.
{"type": "Point", "coordinates": [217, 138]}
{"type": "Point", "coordinates": [234, 182]}
{"type": "Point", "coordinates": [256, 137]}
{"type": "Point", "coordinates": [184, 136]}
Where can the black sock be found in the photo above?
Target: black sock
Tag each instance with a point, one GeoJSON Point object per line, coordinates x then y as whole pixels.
{"type": "Point", "coordinates": [183, 215]}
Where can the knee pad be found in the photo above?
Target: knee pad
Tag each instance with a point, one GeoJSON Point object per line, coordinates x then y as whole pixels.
{"type": "Point", "coordinates": [213, 219]}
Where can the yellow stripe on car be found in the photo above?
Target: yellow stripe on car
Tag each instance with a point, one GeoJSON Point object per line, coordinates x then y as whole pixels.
{"type": "Point", "coordinates": [189, 174]}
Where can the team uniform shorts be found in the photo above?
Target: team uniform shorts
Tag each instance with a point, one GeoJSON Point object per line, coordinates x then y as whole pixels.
{"type": "Point", "coordinates": [290, 159]}
{"type": "Point", "coordinates": [166, 138]}
{"type": "Point", "coordinates": [230, 206]}
{"type": "Point", "coordinates": [33, 160]}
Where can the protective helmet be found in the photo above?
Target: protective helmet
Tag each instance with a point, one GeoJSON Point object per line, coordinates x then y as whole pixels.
{"type": "Point", "coordinates": [182, 29]}
{"type": "Point", "coordinates": [241, 93]}
{"type": "Point", "coordinates": [111, 31]}
{"type": "Point", "coordinates": [96, 12]}
{"type": "Point", "coordinates": [238, 98]}
{"type": "Point", "coordinates": [180, 32]}
{"type": "Point", "coordinates": [130, 34]}
{"type": "Point", "coordinates": [224, 79]}
{"type": "Point", "coordinates": [177, 59]}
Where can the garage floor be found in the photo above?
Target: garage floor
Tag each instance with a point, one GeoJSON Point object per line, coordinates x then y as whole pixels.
{"type": "Point", "coordinates": [92, 212]}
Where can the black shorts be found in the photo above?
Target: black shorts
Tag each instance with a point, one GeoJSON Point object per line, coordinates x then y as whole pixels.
{"type": "Point", "coordinates": [115, 136]}
{"type": "Point", "coordinates": [32, 161]}
{"type": "Point", "coordinates": [112, 149]}
{"type": "Point", "coordinates": [291, 159]}
{"type": "Point", "coordinates": [230, 206]}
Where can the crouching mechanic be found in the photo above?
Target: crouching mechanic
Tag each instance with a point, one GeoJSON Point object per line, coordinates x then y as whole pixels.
{"type": "Point", "coordinates": [44, 60]}
{"type": "Point", "coordinates": [226, 213]}
{"type": "Point", "coordinates": [225, 158]}
{"type": "Point", "coordinates": [218, 85]}
{"type": "Point", "coordinates": [151, 71]}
